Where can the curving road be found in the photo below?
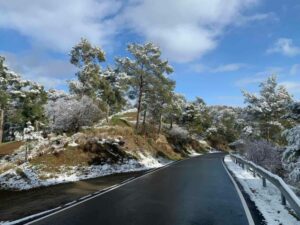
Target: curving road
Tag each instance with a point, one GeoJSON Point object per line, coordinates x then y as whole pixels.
{"type": "Point", "coordinates": [197, 191]}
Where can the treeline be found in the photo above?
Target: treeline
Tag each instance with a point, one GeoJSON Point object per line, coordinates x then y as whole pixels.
{"type": "Point", "coordinates": [270, 119]}
{"type": "Point", "coordinates": [140, 81]}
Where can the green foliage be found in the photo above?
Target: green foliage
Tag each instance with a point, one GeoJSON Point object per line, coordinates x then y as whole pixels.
{"type": "Point", "coordinates": [21, 100]}
{"type": "Point", "coordinates": [266, 112]}
{"type": "Point", "coordinates": [196, 117]}
{"type": "Point", "coordinates": [146, 71]}
{"type": "Point", "coordinates": [102, 86]}
{"type": "Point", "coordinates": [118, 121]}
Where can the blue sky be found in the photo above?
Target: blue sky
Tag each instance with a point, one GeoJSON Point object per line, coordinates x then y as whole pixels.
{"type": "Point", "coordinates": [216, 50]}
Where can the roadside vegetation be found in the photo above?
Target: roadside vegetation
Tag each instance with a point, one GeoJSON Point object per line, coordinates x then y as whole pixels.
{"type": "Point", "coordinates": [128, 113]}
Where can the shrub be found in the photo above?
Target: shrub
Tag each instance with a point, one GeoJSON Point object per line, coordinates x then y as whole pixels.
{"type": "Point", "coordinates": [21, 173]}
{"type": "Point", "coordinates": [264, 154]}
{"type": "Point", "coordinates": [69, 115]}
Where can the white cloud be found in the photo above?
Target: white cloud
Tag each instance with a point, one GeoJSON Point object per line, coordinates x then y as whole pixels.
{"type": "Point", "coordinates": [229, 67]}
{"type": "Point", "coordinates": [185, 30]}
{"type": "Point", "coordinates": [57, 24]}
{"type": "Point", "coordinates": [259, 77]}
{"type": "Point", "coordinates": [198, 68]}
{"type": "Point", "coordinates": [40, 68]}
{"type": "Point", "coordinates": [249, 80]}
{"type": "Point", "coordinates": [285, 46]}
{"type": "Point", "coordinates": [295, 69]}
{"type": "Point", "coordinates": [256, 18]}
{"type": "Point", "coordinates": [291, 86]}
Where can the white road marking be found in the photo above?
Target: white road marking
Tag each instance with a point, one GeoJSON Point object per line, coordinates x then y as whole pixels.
{"type": "Point", "coordinates": [105, 191]}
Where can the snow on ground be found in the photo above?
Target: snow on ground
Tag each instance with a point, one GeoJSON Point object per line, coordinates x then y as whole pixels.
{"type": "Point", "coordinates": [267, 200]}
{"type": "Point", "coordinates": [214, 151]}
{"type": "Point", "coordinates": [193, 153]}
{"type": "Point", "coordinates": [29, 176]}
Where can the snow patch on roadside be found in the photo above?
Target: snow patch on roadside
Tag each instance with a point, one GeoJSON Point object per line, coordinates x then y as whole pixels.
{"type": "Point", "coordinates": [27, 176]}
{"type": "Point", "coordinates": [267, 200]}
{"type": "Point", "coordinates": [214, 151]}
{"type": "Point", "coordinates": [193, 153]}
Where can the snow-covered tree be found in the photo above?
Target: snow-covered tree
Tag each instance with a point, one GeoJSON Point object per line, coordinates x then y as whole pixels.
{"type": "Point", "coordinates": [159, 98]}
{"type": "Point", "coordinates": [291, 156]}
{"type": "Point", "coordinates": [195, 116]}
{"type": "Point", "coordinates": [102, 86]}
{"type": "Point", "coordinates": [225, 125]}
{"type": "Point", "coordinates": [87, 58]}
{"type": "Point", "coordinates": [20, 100]}
{"type": "Point", "coordinates": [175, 108]}
{"type": "Point", "coordinates": [264, 153]}
{"type": "Point", "coordinates": [267, 109]}
{"type": "Point", "coordinates": [68, 114]}
{"type": "Point", "coordinates": [111, 90]}
{"type": "Point", "coordinates": [145, 64]}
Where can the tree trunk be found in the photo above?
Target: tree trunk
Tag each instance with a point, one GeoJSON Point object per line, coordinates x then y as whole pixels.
{"type": "Point", "coordinates": [26, 152]}
{"type": "Point", "coordinates": [139, 103]}
{"type": "Point", "coordinates": [36, 124]}
{"type": "Point", "coordinates": [1, 124]}
{"type": "Point", "coordinates": [144, 120]}
{"type": "Point", "coordinates": [107, 112]}
{"type": "Point", "coordinates": [171, 122]}
{"type": "Point", "coordinates": [159, 125]}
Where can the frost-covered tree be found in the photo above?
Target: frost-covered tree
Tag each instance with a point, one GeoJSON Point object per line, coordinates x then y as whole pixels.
{"type": "Point", "coordinates": [159, 98]}
{"type": "Point", "coordinates": [87, 58]}
{"type": "Point", "coordinates": [20, 100]}
{"type": "Point", "coordinates": [68, 114]}
{"type": "Point", "coordinates": [195, 116]}
{"type": "Point", "coordinates": [104, 86]}
{"type": "Point", "coordinates": [267, 109]}
{"type": "Point", "coordinates": [291, 156]}
{"type": "Point", "coordinates": [264, 154]}
{"type": "Point", "coordinates": [111, 90]}
{"type": "Point", "coordinates": [175, 108]}
{"type": "Point", "coordinates": [224, 126]}
{"type": "Point", "coordinates": [145, 64]}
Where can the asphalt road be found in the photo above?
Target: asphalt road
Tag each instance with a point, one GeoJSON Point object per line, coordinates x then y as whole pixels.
{"type": "Point", "coordinates": [196, 191]}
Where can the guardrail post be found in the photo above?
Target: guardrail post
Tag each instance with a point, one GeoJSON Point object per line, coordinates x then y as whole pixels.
{"type": "Point", "coordinates": [264, 182]}
{"type": "Point", "coordinates": [283, 200]}
{"type": "Point", "coordinates": [287, 196]}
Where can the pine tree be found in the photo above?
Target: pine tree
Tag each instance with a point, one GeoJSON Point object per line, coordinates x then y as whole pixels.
{"type": "Point", "coordinates": [159, 99]}
{"type": "Point", "coordinates": [87, 58]}
{"type": "Point", "coordinates": [102, 86]}
{"type": "Point", "coordinates": [20, 100]}
{"type": "Point", "coordinates": [145, 65]}
{"type": "Point", "coordinates": [267, 110]}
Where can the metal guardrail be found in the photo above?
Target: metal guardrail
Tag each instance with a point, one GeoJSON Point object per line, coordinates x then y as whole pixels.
{"type": "Point", "coordinates": [287, 195]}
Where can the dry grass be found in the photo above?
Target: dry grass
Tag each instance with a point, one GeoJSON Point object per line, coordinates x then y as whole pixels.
{"type": "Point", "coordinates": [118, 121]}
{"type": "Point", "coordinates": [68, 157]}
{"type": "Point", "coordinates": [131, 116]}
{"type": "Point", "coordinates": [9, 147]}
{"type": "Point", "coordinates": [134, 144]}
{"type": "Point", "coordinates": [6, 167]}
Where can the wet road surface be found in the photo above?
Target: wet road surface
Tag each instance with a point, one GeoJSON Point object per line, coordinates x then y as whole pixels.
{"type": "Point", "coordinates": [196, 191]}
